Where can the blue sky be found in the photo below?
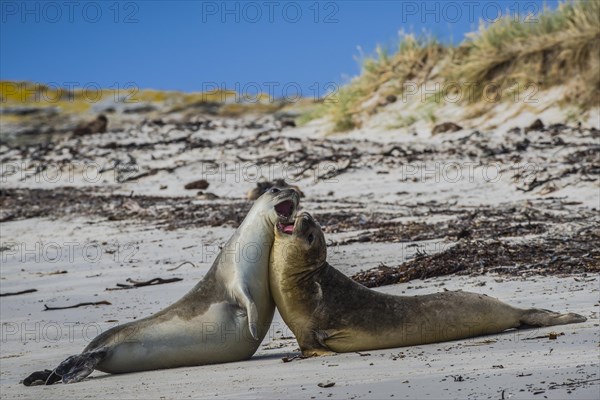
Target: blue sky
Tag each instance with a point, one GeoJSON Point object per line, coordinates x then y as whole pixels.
{"type": "Point", "coordinates": [273, 46]}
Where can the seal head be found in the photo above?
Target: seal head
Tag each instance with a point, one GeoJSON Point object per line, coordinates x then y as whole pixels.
{"type": "Point", "coordinates": [301, 243]}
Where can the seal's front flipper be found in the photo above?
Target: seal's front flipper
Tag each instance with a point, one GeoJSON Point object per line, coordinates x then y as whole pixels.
{"type": "Point", "coordinates": [45, 377]}
{"type": "Point", "coordinates": [312, 343]}
{"type": "Point", "coordinates": [306, 353]}
{"type": "Point", "coordinates": [243, 297]}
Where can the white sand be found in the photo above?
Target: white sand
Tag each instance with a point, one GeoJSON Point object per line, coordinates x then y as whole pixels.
{"type": "Point", "coordinates": [30, 341]}
{"type": "Point", "coordinates": [33, 339]}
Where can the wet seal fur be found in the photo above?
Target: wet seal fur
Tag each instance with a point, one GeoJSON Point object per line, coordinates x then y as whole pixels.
{"type": "Point", "coordinates": [223, 318]}
{"type": "Point", "coordinates": [329, 312]}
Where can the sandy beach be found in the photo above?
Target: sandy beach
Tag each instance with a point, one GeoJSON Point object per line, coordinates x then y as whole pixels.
{"type": "Point", "coordinates": [393, 204]}
{"type": "Point", "coordinates": [440, 145]}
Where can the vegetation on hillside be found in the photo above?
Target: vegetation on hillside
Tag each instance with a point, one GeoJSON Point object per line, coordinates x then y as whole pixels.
{"type": "Point", "coordinates": [80, 100]}
{"type": "Point", "coordinates": [556, 47]}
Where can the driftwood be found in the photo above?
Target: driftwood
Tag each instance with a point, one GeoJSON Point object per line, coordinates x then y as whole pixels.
{"type": "Point", "coordinates": [18, 293]}
{"type": "Point", "coordinates": [551, 336]}
{"type": "Point", "coordinates": [574, 383]}
{"type": "Point", "coordinates": [137, 146]}
{"type": "Point", "coordinates": [150, 172]}
{"type": "Point", "coordinates": [137, 284]}
{"type": "Point", "coordinates": [182, 264]}
{"type": "Point", "coordinates": [293, 358]}
{"type": "Point", "coordinates": [98, 303]}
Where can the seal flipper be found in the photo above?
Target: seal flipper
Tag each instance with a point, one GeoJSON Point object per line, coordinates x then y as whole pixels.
{"type": "Point", "coordinates": [312, 343]}
{"type": "Point", "coordinates": [45, 377]}
{"type": "Point", "coordinates": [73, 369]}
{"type": "Point", "coordinates": [76, 368]}
{"type": "Point", "coordinates": [243, 297]}
{"type": "Point", "coordinates": [541, 317]}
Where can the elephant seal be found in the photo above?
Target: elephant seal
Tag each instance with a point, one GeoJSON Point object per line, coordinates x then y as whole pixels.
{"type": "Point", "coordinates": [223, 318]}
{"type": "Point", "coordinates": [329, 312]}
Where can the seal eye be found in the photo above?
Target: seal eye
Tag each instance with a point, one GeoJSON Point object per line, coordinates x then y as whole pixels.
{"type": "Point", "coordinates": [310, 238]}
{"type": "Point", "coordinates": [274, 190]}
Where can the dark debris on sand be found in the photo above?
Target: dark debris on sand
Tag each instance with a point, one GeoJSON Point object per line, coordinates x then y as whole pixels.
{"type": "Point", "coordinates": [569, 254]}
{"type": "Point", "coordinates": [508, 220]}
{"type": "Point", "coordinates": [544, 234]}
{"type": "Point", "coordinates": [163, 212]}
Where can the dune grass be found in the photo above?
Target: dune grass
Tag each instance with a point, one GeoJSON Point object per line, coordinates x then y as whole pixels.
{"type": "Point", "coordinates": [383, 73]}
{"type": "Point", "coordinates": [512, 55]}
{"type": "Point", "coordinates": [552, 48]}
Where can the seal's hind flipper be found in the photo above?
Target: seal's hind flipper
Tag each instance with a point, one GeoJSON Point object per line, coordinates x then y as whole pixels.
{"type": "Point", "coordinates": [45, 377]}
{"type": "Point", "coordinates": [73, 369]}
{"type": "Point", "coordinates": [539, 317]}
{"type": "Point", "coordinates": [76, 368]}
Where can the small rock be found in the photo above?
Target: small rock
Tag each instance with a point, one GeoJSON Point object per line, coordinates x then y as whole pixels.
{"type": "Point", "coordinates": [96, 126]}
{"type": "Point", "coordinates": [554, 335]}
{"type": "Point", "coordinates": [207, 196]}
{"type": "Point", "coordinates": [390, 98]}
{"type": "Point", "coordinates": [363, 238]}
{"type": "Point", "coordinates": [326, 385]}
{"type": "Point", "coordinates": [536, 125]}
{"type": "Point", "coordinates": [197, 185]}
{"type": "Point", "coordinates": [287, 123]}
{"type": "Point", "coordinates": [446, 127]}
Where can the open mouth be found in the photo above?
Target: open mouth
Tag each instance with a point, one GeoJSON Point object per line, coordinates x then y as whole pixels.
{"type": "Point", "coordinates": [285, 210]}
{"type": "Point", "coordinates": [286, 227]}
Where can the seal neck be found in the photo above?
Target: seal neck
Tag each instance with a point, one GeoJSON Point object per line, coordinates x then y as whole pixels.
{"type": "Point", "coordinates": [251, 243]}
{"type": "Point", "coordinates": [257, 231]}
{"type": "Point", "coordinates": [309, 274]}
{"type": "Point", "coordinates": [257, 225]}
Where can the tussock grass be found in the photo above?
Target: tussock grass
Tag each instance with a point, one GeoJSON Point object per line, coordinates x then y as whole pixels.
{"type": "Point", "coordinates": [549, 49]}
{"type": "Point", "coordinates": [383, 73]}
{"type": "Point", "coordinates": [514, 53]}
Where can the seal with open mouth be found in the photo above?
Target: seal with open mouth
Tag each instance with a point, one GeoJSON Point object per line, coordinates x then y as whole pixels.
{"type": "Point", "coordinates": [329, 312]}
{"type": "Point", "coordinates": [223, 318]}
